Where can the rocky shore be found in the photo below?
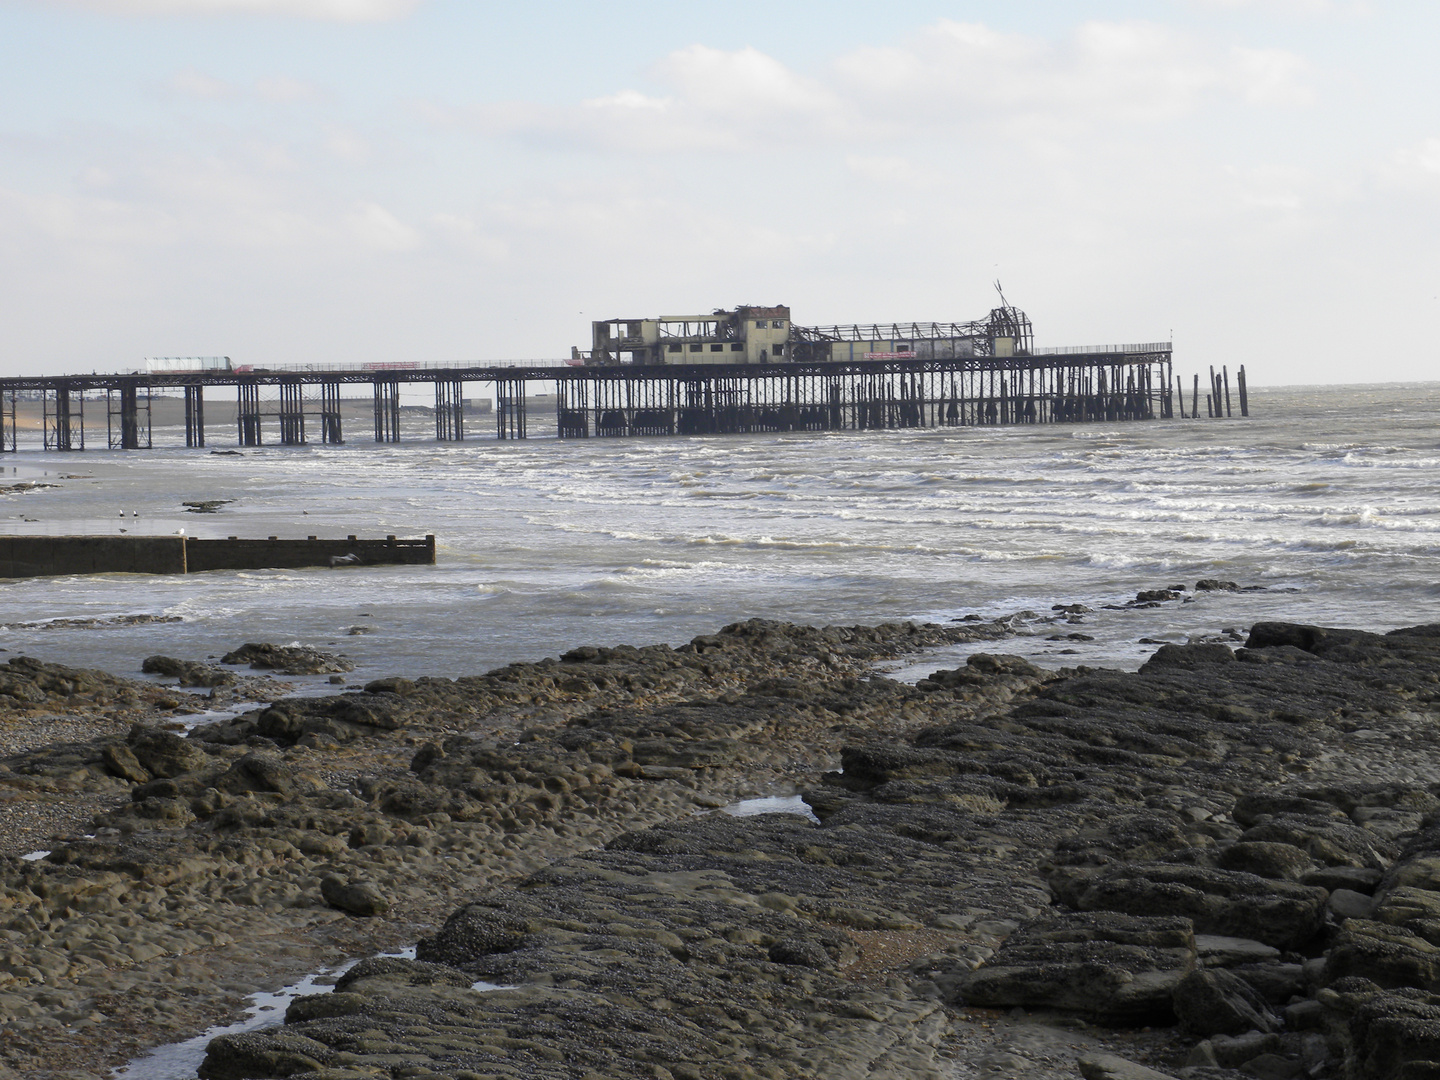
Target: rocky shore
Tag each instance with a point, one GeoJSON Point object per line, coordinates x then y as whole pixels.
{"type": "Point", "coordinates": [1224, 865]}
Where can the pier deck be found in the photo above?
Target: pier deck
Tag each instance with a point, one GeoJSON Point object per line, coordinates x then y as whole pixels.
{"type": "Point", "coordinates": [294, 407]}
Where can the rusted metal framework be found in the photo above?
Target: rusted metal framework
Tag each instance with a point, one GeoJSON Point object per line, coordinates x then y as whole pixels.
{"type": "Point", "coordinates": [247, 412]}
{"type": "Point", "coordinates": [7, 421]}
{"type": "Point", "coordinates": [194, 415]}
{"type": "Point", "coordinates": [387, 409]}
{"type": "Point", "coordinates": [330, 429]}
{"type": "Point", "coordinates": [450, 411]}
{"type": "Point", "coordinates": [292, 413]}
{"type": "Point", "coordinates": [704, 400]}
{"type": "Point", "coordinates": [63, 406]}
{"type": "Point", "coordinates": [127, 418]}
{"type": "Point", "coordinates": [1005, 332]}
{"type": "Point", "coordinates": [510, 408]}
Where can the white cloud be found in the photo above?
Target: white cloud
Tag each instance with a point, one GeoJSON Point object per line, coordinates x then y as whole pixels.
{"type": "Point", "coordinates": [148, 200]}
{"type": "Point", "coordinates": [883, 169]}
{"type": "Point", "coordinates": [282, 89]}
{"type": "Point", "coordinates": [89, 221]}
{"type": "Point", "coordinates": [1424, 157]}
{"type": "Point", "coordinates": [1271, 77]}
{"type": "Point", "coordinates": [376, 227]}
{"type": "Point", "coordinates": [192, 83]}
{"type": "Point", "coordinates": [1413, 168]}
{"type": "Point", "coordinates": [463, 232]}
{"type": "Point", "coordinates": [347, 146]}
{"type": "Point", "coordinates": [329, 10]}
{"type": "Point", "coordinates": [950, 79]}
{"type": "Point", "coordinates": [745, 85]}
{"type": "Point", "coordinates": [1289, 7]}
{"type": "Point", "coordinates": [1102, 73]}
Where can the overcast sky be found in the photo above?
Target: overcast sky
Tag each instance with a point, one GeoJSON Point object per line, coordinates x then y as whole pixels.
{"type": "Point", "coordinates": [287, 181]}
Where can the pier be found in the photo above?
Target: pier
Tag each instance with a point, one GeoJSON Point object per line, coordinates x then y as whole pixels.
{"type": "Point", "coordinates": [295, 407]}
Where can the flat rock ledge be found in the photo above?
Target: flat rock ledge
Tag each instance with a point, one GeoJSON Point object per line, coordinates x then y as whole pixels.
{"type": "Point", "coordinates": [1224, 865]}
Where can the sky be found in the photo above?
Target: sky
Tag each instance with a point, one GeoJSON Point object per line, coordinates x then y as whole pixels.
{"type": "Point", "coordinates": [461, 181]}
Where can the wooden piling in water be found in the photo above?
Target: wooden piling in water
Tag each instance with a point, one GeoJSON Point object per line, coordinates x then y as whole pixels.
{"type": "Point", "coordinates": [1240, 385]}
{"type": "Point", "coordinates": [1226, 372]}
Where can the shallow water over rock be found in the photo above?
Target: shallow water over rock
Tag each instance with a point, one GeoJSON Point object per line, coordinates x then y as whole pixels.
{"type": "Point", "coordinates": [179, 1061]}
{"type": "Point", "coordinates": [771, 804]}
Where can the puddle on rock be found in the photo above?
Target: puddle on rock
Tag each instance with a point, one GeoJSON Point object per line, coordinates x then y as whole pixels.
{"type": "Point", "coordinates": [772, 804]}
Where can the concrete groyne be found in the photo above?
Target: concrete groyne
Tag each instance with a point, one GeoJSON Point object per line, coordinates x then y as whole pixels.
{"type": "Point", "coordinates": [48, 556]}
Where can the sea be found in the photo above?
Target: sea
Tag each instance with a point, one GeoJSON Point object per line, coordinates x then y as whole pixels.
{"type": "Point", "coordinates": [1323, 506]}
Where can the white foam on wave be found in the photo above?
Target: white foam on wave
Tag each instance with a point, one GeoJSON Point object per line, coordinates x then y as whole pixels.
{"type": "Point", "coordinates": [834, 527]}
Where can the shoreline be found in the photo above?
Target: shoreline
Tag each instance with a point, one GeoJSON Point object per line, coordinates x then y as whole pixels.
{"type": "Point", "coordinates": [336, 827]}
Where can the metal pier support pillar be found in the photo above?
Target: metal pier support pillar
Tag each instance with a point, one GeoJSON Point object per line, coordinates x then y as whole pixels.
{"type": "Point", "coordinates": [330, 431]}
{"type": "Point", "coordinates": [510, 408]}
{"type": "Point", "coordinates": [65, 422]}
{"type": "Point", "coordinates": [292, 413]}
{"type": "Point", "coordinates": [387, 410]}
{"type": "Point", "coordinates": [128, 427]}
{"type": "Point", "coordinates": [247, 413]}
{"type": "Point", "coordinates": [195, 415]}
{"type": "Point", "coordinates": [572, 409]}
{"type": "Point", "coordinates": [7, 422]}
{"type": "Point", "coordinates": [449, 411]}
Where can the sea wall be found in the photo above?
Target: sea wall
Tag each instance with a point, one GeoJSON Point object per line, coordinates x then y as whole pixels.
{"type": "Point", "coordinates": [274, 553]}
{"type": "Point", "coordinates": [43, 556]}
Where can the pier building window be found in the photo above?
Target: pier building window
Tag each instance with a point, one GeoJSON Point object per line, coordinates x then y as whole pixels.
{"type": "Point", "coordinates": [737, 346]}
{"type": "Point", "coordinates": [717, 348]}
{"type": "Point", "coordinates": [673, 348]}
{"type": "Point", "coordinates": [759, 324]}
{"type": "Point", "coordinates": [697, 347]}
{"type": "Point", "coordinates": [779, 350]}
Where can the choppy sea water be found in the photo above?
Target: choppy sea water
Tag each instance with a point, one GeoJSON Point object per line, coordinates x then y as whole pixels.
{"type": "Point", "coordinates": [1329, 497]}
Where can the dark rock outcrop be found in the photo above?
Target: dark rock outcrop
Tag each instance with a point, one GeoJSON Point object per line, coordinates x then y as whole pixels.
{"type": "Point", "coordinates": [1200, 837]}
{"type": "Point", "coordinates": [289, 659]}
{"type": "Point", "coordinates": [1113, 967]}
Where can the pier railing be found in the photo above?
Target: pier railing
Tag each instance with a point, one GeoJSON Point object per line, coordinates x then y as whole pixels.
{"type": "Point", "coordinates": [379, 367]}
{"type": "Point", "coordinates": [1103, 350]}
